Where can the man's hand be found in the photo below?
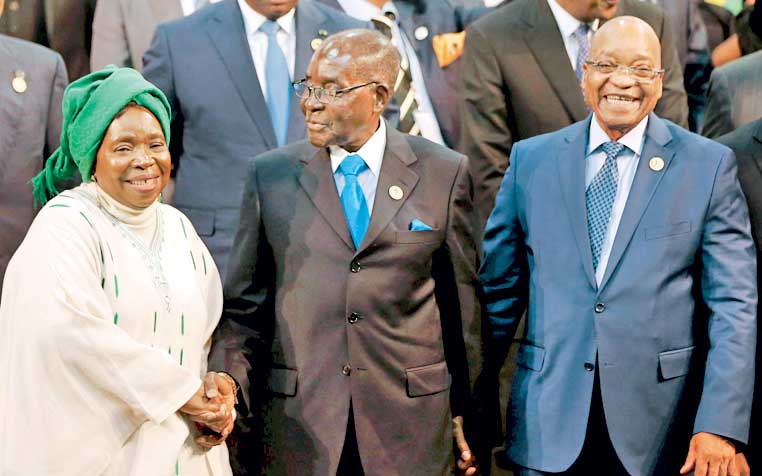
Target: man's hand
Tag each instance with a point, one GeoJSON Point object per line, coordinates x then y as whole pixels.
{"type": "Point", "coordinates": [742, 465]}
{"type": "Point", "coordinates": [711, 455]}
{"type": "Point", "coordinates": [466, 460]}
{"type": "Point", "coordinates": [220, 389]}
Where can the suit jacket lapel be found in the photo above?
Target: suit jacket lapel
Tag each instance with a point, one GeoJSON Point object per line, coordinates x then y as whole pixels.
{"type": "Point", "coordinates": [308, 21]}
{"type": "Point", "coordinates": [227, 32]}
{"type": "Point", "coordinates": [408, 19]}
{"type": "Point", "coordinates": [571, 174]}
{"type": "Point", "coordinates": [316, 178]}
{"type": "Point", "coordinates": [394, 171]}
{"type": "Point", "coordinates": [12, 111]}
{"type": "Point", "coordinates": [643, 187]}
{"type": "Point", "coordinates": [548, 48]}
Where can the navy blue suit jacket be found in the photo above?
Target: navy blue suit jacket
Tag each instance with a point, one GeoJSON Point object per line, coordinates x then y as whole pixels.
{"type": "Point", "coordinates": [220, 118]}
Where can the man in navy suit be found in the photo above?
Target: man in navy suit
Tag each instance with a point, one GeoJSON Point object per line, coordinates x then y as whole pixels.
{"type": "Point", "coordinates": [232, 98]}
{"type": "Point", "coordinates": [604, 232]}
{"type": "Point", "coordinates": [429, 33]}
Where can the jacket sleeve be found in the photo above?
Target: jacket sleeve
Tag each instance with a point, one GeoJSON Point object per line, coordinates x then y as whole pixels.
{"type": "Point", "coordinates": [718, 118]}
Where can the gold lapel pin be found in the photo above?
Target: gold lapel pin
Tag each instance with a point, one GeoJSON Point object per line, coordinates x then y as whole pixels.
{"type": "Point", "coordinates": [395, 192]}
{"type": "Point", "coordinates": [421, 33]}
{"type": "Point", "coordinates": [18, 83]}
{"type": "Point", "coordinates": [656, 164]}
{"type": "Point", "coordinates": [315, 43]}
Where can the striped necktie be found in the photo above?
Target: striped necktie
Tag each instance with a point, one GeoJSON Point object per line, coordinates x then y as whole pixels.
{"type": "Point", "coordinates": [404, 92]}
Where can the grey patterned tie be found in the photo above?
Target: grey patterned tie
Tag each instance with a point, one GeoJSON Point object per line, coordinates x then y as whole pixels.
{"type": "Point", "coordinates": [599, 198]}
{"type": "Point", "coordinates": [583, 40]}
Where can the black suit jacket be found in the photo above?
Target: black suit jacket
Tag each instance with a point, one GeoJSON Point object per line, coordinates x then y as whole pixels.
{"type": "Point", "coordinates": [746, 142]}
{"type": "Point", "coordinates": [520, 83]}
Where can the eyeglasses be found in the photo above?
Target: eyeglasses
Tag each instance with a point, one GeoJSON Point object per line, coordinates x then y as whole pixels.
{"type": "Point", "coordinates": [323, 95]}
{"type": "Point", "coordinates": [641, 74]}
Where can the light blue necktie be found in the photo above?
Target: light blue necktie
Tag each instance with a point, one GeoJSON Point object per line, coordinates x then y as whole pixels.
{"type": "Point", "coordinates": [278, 82]}
{"type": "Point", "coordinates": [583, 40]}
{"type": "Point", "coordinates": [352, 198]}
{"type": "Point", "coordinates": [599, 199]}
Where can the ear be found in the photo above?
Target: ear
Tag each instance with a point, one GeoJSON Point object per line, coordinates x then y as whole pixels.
{"type": "Point", "coordinates": [382, 98]}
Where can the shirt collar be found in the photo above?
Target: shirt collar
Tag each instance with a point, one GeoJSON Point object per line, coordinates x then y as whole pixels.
{"type": "Point", "coordinates": [364, 10]}
{"type": "Point", "coordinates": [633, 140]}
{"type": "Point", "coordinates": [372, 152]}
{"type": "Point", "coordinates": [252, 19]}
{"type": "Point", "coordinates": [567, 24]}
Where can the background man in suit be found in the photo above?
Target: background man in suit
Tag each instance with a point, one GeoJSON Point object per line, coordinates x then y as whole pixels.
{"type": "Point", "coordinates": [524, 68]}
{"type": "Point", "coordinates": [230, 89]}
{"type": "Point", "coordinates": [351, 289]}
{"type": "Point", "coordinates": [735, 95]}
{"type": "Point", "coordinates": [429, 35]}
{"type": "Point", "coordinates": [602, 231]}
{"type": "Point", "coordinates": [62, 25]}
{"type": "Point", "coordinates": [33, 80]}
{"type": "Point", "coordinates": [746, 142]}
{"type": "Point", "coordinates": [122, 29]}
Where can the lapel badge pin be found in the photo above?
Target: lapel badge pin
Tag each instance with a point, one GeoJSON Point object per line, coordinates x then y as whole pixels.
{"type": "Point", "coordinates": [315, 43]}
{"type": "Point", "coordinates": [421, 33]}
{"type": "Point", "coordinates": [656, 164]}
{"type": "Point", "coordinates": [395, 192]}
{"type": "Point", "coordinates": [18, 83]}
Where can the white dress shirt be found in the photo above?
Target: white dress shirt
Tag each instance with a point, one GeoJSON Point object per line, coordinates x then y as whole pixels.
{"type": "Point", "coordinates": [286, 36]}
{"type": "Point", "coordinates": [425, 117]}
{"type": "Point", "coordinates": [567, 24]}
{"type": "Point", "coordinates": [189, 6]}
{"type": "Point", "coordinates": [372, 152]}
{"type": "Point", "coordinates": [627, 164]}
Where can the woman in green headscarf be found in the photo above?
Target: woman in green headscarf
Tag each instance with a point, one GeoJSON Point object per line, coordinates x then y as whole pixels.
{"type": "Point", "coordinates": [109, 305]}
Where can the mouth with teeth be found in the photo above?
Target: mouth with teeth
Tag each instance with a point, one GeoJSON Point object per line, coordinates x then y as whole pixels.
{"type": "Point", "coordinates": [144, 184]}
{"type": "Point", "coordinates": [621, 102]}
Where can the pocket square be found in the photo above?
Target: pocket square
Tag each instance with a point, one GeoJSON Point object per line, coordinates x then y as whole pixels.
{"type": "Point", "coordinates": [418, 225]}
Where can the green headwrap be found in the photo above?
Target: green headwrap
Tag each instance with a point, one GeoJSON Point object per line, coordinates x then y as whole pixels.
{"type": "Point", "coordinates": [89, 105]}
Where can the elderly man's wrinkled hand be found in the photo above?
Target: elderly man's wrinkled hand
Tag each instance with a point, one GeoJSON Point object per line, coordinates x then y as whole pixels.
{"type": "Point", "coordinates": [710, 455]}
{"type": "Point", "coordinates": [466, 461]}
{"type": "Point", "coordinates": [220, 389]}
{"type": "Point", "coordinates": [212, 413]}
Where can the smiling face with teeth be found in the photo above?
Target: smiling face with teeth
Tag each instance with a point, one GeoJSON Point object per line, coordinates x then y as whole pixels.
{"type": "Point", "coordinates": [618, 100]}
{"type": "Point", "coordinates": [133, 162]}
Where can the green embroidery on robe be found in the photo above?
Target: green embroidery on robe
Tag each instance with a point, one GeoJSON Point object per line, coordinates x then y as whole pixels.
{"type": "Point", "coordinates": [116, 287]}
{"type": "Point", "coordinates": [183, 224]}
{"type": "Point", "coordinates": [203, 258]}
{"type": "Point", "coordinates": [193, 259]}
{"type": "Point", "coordinates": [116, 318]}
{"type": "Point", "coordinates": [59, 205]}
{"type": "Point", "coordinates": [87, 219]}
{"type": "Point", "coordinates": [103, 283]}
{"type": "Point", "coordinates": [154, 322]}
{"type": "Point", "coordinates": [182, 324]}
{"type": "Point", "coordinates": [181, 356]}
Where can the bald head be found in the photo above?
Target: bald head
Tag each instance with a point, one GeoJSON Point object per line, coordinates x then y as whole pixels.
{"type": "Point", "coordinates": [626, 32]}
{"type": "Point", "coordinates": [368, 54]}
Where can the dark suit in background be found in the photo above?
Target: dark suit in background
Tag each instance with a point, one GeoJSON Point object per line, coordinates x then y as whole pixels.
{"type": "Point", "coordinates": [746, 142]}
{"type": "Point", "coordinates": [311, 323]}
{"type": "Point", "coordinates": [62, 25]}
{"type": "Point", "coordinates": [735, 95]}
{"type": "Point", "coordinates": [203, 64]}
{"type": "Point", "coordinates": [30, 129]}
{"type": "Point", "coordinates": [520, 83]}
{"type": "Point", "coordinates": [442, 83]}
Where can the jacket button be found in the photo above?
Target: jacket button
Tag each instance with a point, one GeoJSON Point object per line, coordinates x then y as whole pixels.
{"type": "Point", "coordinates": [354, 317]}
{"type": "Point", "coordinates": [355, 267]}
{"type": "Point", "coordinates": [346, 370]}
{"type": "Point", "coordinates": [589, 367]}
{"type": "Point", "coordinates": [600, 307]}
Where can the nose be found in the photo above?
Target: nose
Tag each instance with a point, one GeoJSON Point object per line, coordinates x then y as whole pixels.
{"type": "Point", "coordinates": [622, 78]}
{"type": "Point", "coordinates": [310, 102]}
{"type": "Point", "coordinates": [143, 158]}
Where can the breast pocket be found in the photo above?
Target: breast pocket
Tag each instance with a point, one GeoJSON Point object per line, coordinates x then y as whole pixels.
{"type": "Point", "coordinates": [666, 231]}
{"type": "Point", "coordinates": [418, 237]}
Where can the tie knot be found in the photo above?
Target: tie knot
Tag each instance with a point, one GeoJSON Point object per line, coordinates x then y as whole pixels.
{"type": "Point", "coordinates": [352, 165]}
{"type": "Point", "coordinates": [269, 28]}
{"type": "Point", "coordinates": [612, 149]}
{"type": "Point", "coordinates": [581, 31]}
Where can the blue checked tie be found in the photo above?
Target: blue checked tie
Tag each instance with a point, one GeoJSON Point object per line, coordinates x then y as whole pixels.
{"type": "Point", "coordinates": [278, 82]}
{"type": "Point", "coordinates": [352, 198]}
{"type": "Point", "coordinates": [599, 198]}
{"type": "Point", "coordinates": [583, 40]}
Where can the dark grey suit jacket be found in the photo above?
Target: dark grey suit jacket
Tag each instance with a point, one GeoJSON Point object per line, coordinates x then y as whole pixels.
{"type": "Point", "coordinates": [122, 30]}
{"type": "Point", "coordinates": [311, 322]}
{"type": "Point", "coordinates": [220, 118]}
{"type": "Point", "coordinates": [30, 130]}
{"type": "Point", "coordinates": [735, 95]}
{"type": "Point", "coordinates": [746, 142]}
{"type": "Point", "coordinates": [520, 83]}
{"type": "Point", "coordinates": [63, 25]}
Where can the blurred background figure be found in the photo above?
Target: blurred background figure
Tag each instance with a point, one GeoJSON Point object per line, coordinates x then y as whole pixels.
{"type": "Point", "coordinates": [122, 29]}
{"type": "Point", "coordinates": [32, 81]}
{"type": "Point", "coordinates": [734, 96]}
{"type": "Point", "coordinates": [62, 25]}
{"type": "Point", "coordinates": [428, 35]}
{"type": "Point", "coordinates": [747, 37]}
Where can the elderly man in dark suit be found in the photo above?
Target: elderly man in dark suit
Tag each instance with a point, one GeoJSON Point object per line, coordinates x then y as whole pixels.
{"type": "Point", "coordinates": [230, 89]}
{"type": "Point", "coordinates": [746, 142]}
{"type": "Point", "coordinates": [429, 34]}
{"type": "Point", "coordinates": [525, 63]}
{"type": "Point", "coordinates": [33, 80]}
{"type": "Point", "coordinates": [734, 96]}
{"type": "Point", "coordinates": [62, 25]}
{"type": "Point", "coordinates": [350, 297]}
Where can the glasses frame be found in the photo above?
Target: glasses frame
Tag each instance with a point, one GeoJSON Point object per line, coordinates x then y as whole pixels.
{"type": "Point", "coordinates": [332, 94]}
{"type": "Point", "coordinates": [628, 70]}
